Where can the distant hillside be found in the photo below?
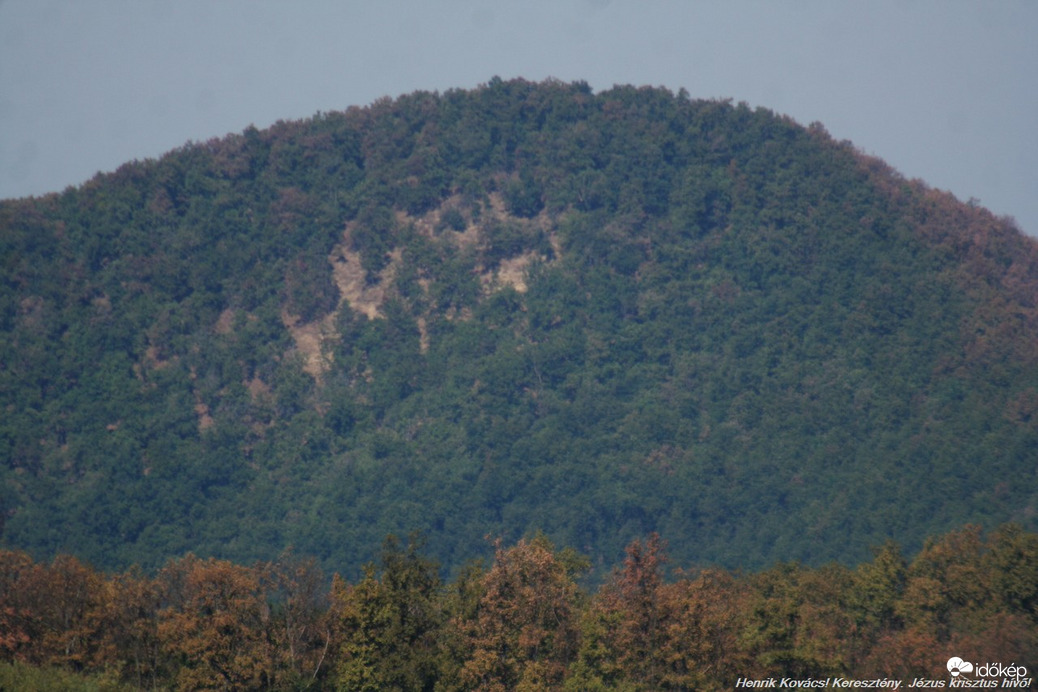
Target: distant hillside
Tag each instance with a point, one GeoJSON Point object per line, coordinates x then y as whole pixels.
{"type": "Point", "coordinates": [523, 307]}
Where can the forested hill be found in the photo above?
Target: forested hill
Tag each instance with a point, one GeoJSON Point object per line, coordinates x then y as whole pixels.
{"type": "Point", "coordinates": [518, 308]}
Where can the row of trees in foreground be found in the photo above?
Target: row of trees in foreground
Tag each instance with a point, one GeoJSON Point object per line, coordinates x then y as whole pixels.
{"type": "Point", "coordinates": [524, 622]}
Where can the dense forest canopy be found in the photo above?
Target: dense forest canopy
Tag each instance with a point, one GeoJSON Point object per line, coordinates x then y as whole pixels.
{"type": "Point", "coordinates": [520, 308]}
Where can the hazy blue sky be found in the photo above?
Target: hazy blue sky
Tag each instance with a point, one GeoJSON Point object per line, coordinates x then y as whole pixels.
{"type": "Point", "coordinates": [946, 90]}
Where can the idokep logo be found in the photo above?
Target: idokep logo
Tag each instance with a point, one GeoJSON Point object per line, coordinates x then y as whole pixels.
{"type": "Point", "coordinates": [956, 666]}
{"type": "Point", "coordinates": [1011, 675]}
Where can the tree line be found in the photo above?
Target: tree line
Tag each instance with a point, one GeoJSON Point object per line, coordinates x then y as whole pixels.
{"type": "Point", "coordinates": [526, 621]}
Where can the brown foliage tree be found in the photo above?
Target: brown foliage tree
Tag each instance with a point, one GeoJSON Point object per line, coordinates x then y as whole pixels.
{"type": "Point", "coordinates": [700, 646]}
{"type": "Point", "coordinates": [59, 610]}
{"type": "Point", "coordinates": [15, 614]}
{"type": "Point", "coordinates": [216, 625]}
{"type": "Point", "coordinates": [525, 632]}
{"type": "Point", "coordinates": [643, 634]}
{"type": "Point", "coordinates": [129, 637]}
{"type": "Point", "coordinates": [622, 637]}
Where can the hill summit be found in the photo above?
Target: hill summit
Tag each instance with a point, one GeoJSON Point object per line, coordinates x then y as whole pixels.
{"type": "Point", "coordinates": [525, 307]}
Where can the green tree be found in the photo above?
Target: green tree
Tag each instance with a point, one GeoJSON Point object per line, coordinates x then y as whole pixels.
{"type": "Point", "coordinates": [390, 622]}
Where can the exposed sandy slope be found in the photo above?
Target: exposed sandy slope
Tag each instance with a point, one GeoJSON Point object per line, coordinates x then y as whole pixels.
{"type": "Point", "coordinates": [313, 339]}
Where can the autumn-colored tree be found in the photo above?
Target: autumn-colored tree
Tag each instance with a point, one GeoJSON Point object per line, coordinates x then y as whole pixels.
{"type": "Point", "coordinates": [699, 647]}
{"type": "Point", "coordinates": [946, 584]}
{"type": "Point", "coordinates": [216, 625]}
{"type": "Point", "coordinates": [525, 632]}
{"type": "Point", "coordinates": [827, 634]}
{"type": "Point", "coordinates": [67, 615]}
{"type": "Point", "coordinates": [522, 624]}
{"type": "Point", "coordinates": [901, 654]}
{"type": "Point", "coordinates": [997, 636]}
{"type": "Point", "coordinates": [961, 593]}
{"type": "Point", "coordinates": [460, 602]}
{"type": "Point", "coordinates": [622, 637]}
{"type": "Point", "coordinates": [61, 609]}
{"type": "Point", "coordinates": [643, 634]}
{"type": "Point", "coordinates": [968, 593]}
{"type": "Point", "coordinates": [129, 637]}
{"type": "Point", "coordinates": [15, 614]}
